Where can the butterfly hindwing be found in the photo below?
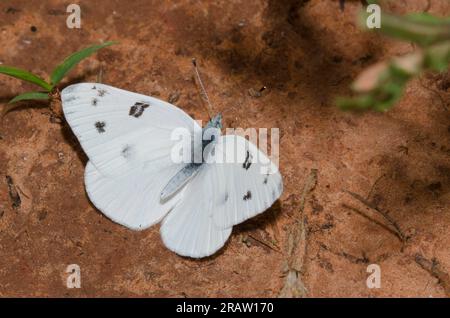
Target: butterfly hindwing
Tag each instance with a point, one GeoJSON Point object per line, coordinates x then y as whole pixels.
{"type": "Point", "coordinates": [220, 196]}
{"type": "Point", "coordinates": [189, 229]}
{"type": "Point", "coordinates": [132, 200]}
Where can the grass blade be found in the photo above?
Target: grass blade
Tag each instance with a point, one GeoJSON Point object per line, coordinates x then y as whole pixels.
{"type": "Point", "coordinates": [61, 70]}
{"type": "Point", "coordinates": [30, 96]}
{"type": "Point", "coordinates": [25, 96]}
{"type": "Point", "coordinates": [25, 75]}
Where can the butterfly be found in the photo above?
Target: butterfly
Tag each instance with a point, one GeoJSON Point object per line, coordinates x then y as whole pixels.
{"type": "Point", "coordinates": [131, 176]}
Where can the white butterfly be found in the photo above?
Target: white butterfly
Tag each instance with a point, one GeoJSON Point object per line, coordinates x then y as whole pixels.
{"type": "Point", "coordinates": [132, 179]}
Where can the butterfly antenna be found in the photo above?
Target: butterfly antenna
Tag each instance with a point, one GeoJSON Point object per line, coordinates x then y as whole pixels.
{"type": "Point", "coordinates": [203, 90]}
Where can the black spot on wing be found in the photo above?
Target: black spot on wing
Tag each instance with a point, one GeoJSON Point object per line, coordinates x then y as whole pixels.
{"type": "Point", "coordinates": [100, 125]}
{"type": "Point", "coordinates": [248, 161]}
{"type": "Point", "coordinates": [247, 196]}
{"type": "Point", "coordinates": [126, 151]}
{"type": "Point", "coordinates": [70, 99]}
{"type": "Point", "coordinates": [101, 92]}
{"type": "Point", "coordinates": [266, 178]}
{"type": "Point", "coordinates": [94, 102]}
{"type": "Point", "coordinates": [138, 109]}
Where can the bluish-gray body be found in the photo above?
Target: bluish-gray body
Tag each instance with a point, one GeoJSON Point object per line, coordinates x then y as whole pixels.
{"type": "Point", "coordinates": [191, 169]}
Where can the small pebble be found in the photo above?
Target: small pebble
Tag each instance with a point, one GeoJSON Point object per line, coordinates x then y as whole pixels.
{"type": "Point", "coordinates": [174, 97]}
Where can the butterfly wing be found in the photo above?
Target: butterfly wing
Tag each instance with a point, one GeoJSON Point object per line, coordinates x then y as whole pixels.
{"type": "Point", "coordinates": [120, 130]}
{"type": "Point", "coordinates": [127, 138]}
{"type": "Point", "coordinates": [220, 196]}
{"type": "Point", "coordinates": [189, 229]}
{"type": "Point", "coordinates": [251, 184]}
{"type": "Point", "coordinates": [132, 200]}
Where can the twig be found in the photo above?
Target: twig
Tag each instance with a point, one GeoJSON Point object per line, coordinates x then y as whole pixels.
{"type": "Point", "coordinates": [297, 235]}
{"type": "Point", "coordinates": [435, 270]}
{"type": "Point", "coordinates": [13, 194]}
{"type": "Point", "coordinates": [351, 258]}
{"type": "Point", "coordinates": [293, 285]}
{"type": "Point", "coordinates": [374, 185]}
{"type": "Point", "coordinates": [310, 184]}
{"type": "Point", "coordinates": [22, 192]}
{"type": "Point", "coordinates": [382, 213]}
{"type": "Point", "coordinates": [387, 228]}
{"type": "Point", "coordinates": [264, 243]}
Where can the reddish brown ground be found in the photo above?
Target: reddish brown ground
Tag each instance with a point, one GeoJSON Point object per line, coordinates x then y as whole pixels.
{"type": "Point", "coordinates": [306, 53]}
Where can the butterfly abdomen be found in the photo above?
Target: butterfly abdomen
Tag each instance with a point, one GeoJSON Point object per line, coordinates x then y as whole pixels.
{"type": "Point", "coordinates": [180, 179]}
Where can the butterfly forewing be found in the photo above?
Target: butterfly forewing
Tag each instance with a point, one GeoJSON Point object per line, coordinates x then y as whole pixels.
{"type": "Point", "coordinates": [121, 130]}
{"type": "Point", "coordinates": [127, 138]}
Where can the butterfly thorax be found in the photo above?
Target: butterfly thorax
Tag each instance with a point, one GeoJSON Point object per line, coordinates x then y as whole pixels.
{"type": "Point", "coordinates": [215, 122]}
{"type": "Point", "coordinates": [209, 135]}
{"type": "Point", "coordinates": [211, 130]}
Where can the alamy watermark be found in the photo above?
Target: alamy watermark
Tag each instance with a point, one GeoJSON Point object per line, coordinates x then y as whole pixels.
{"type": "Point", "coordinates": [74, 278]}
{"type": "Point", "coordinates": [73, 21]}
{"type": "Point", "coordinates": [374, 279]}
{"type": "Point", "coordinates": [373, 21]}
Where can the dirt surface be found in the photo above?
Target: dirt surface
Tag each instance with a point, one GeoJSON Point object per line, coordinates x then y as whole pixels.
{"type": "Point", "coordinates": [360, 189]}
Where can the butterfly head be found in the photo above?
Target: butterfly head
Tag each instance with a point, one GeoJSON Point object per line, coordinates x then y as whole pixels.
{"type": "Point", "coordinates": [216, 121]}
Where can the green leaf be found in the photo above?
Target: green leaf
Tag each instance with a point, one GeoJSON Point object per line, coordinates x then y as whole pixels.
{"type": "Point", "coordinates": [437, 57]}
{"type": "Point", "coordinates": [61, 70]}
{"type": "Point", "coordinates": [30, 96]}
{"type": "Point", "coordinates": [428, 18]}
{"type": "Point", "coordinates": [420, 29]}
{"type": "Point", "coordinates": [25, 76]}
